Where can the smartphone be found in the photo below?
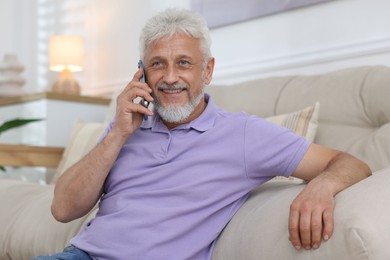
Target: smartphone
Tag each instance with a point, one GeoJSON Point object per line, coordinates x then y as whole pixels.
{"type": "Point", "coordinates": [143, 101]}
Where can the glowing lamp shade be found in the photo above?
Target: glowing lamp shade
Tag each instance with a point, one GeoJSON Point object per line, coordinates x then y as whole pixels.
{"type": "Point", "coordinates": [66, 54]}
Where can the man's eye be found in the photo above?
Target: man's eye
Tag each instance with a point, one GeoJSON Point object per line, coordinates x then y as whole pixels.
{"type": "Point", "coordinates": [156, 64]}
{"type": "Point", "coordinates": [183, 62]}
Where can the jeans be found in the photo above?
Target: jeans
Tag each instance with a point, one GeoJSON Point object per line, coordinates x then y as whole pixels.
{"type": "Point", "coordinates": [69, 253]}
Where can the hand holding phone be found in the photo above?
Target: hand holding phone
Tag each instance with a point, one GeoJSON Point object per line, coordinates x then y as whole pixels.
{"type": "Point", "coordinates": [143, 101]}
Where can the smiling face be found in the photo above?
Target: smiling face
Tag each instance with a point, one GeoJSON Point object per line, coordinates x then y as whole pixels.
{"type": "Point", "coordinates": [177, 73]}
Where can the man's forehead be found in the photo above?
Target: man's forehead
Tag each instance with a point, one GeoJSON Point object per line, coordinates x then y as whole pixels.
{"type": "Point", "coordinates": [169, 39]}
{"type": "Point", "coordinates": [181, 45]}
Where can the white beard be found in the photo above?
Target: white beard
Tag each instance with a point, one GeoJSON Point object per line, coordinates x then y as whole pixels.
{"type": "Point", "coordinates": [177, 113]}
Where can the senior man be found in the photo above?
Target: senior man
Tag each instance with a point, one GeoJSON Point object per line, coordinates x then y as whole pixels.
{"type": "Point", "coordinates": [168, 185]}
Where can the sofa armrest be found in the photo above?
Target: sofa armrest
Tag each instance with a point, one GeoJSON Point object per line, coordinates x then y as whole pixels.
{"type": "Point", "coordinates": [25, 155]}
{"type": "Point", "coordinates": [259, 230]}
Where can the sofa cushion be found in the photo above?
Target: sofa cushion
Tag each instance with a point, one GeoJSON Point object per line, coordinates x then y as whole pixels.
{"type": "Point", "coordinates": [83, 138]}
{"type": "Point", "coordinates": [355, 111]}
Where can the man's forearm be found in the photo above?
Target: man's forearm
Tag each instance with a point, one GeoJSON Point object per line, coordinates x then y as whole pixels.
{"type": "Point", "coordinates": [80, 187]}
{"type": "Point", "coordinates": [343, 171]}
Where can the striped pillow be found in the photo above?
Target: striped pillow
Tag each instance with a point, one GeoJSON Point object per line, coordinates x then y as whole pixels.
{"type": "Point", "coordinates": [303, 122]}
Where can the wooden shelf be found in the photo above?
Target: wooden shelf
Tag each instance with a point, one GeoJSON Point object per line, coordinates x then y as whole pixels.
{"type": "Point", "coordinates": [10, 100]}
{"type": "Point", "coordinates": [24, 155]}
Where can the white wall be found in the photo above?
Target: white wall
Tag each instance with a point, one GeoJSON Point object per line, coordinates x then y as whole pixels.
{"type": "Point", "coordinates": [309, 40]}
{"type": "Point", "coordinates": [18, 36]}
{"type": "Point", "coordinates": [113, 29]}
{"type": "Point", "coordinates": [314, 39]}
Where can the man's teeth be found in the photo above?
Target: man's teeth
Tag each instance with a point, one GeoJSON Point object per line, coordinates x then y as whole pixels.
{"type": "Point", "coordinates": [172, 91]}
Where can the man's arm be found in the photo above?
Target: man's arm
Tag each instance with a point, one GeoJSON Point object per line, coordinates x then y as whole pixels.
{"type": "Point", "coordinates": [80, 187]}
{"type": "Point", "coordinates": [311, 213]}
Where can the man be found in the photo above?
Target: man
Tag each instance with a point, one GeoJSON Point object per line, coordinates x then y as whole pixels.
{"type": "Point", "coordinates": [168, 185]}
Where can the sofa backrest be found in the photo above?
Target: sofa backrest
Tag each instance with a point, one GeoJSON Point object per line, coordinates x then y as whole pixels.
{"type": "Point", "coordinates": [354, 107]}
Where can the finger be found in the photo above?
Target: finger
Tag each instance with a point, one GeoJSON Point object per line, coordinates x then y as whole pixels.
{"type": "Point", "coordinates": [135, 82]}
{"type": "Point", "coordinates": [133, 91]}
{"type": "Point", "coordinates": [328, 224]}
{"type": "Point", "coordinates": [305, 228]}
{"type": "Point", "coordinates": [128, 98]}
{"type": "Point", "coordinates": [316, 229]}
{"type": "Point", "coordinates": [126, 106]}
{"type": "Point", "coordinates": [143, 110]}
{"type": "Point", "coordinates": [137, 76]}
{"type": "Point", "coordinates": [141, 94]}
{"type": "Point", "coordinates": [137, 85]}
{"type": "Point", "coordinates": [293, 228]}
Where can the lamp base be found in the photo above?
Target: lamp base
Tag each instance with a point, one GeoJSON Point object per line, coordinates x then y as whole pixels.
{"type": "Point", "coordinates": [66, 84]}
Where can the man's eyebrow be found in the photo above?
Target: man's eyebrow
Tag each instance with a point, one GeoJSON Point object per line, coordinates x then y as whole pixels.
{"type": "Point", "coordinates": [178, 57]}
{"type": "Point", "coordinates": [156, 57]}
{"type": "Point", "coordinates": [153, 59]}
{"type": "Point", "coordinates": [185, 56]}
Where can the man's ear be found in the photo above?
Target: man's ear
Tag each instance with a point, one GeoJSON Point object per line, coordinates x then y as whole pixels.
{"type": "Point", "coordinates": [209, 71]}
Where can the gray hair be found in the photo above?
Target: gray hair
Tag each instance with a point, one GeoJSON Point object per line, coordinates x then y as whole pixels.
{"type": "Point", "coordinates": [174, 21]}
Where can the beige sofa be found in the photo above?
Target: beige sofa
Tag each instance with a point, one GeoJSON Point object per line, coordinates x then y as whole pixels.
{"type": "Point", "coordinates": [353, 116]}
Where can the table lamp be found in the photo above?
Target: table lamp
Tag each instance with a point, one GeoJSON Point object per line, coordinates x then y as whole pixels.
{"type": "Point", "coordinates": [66, 53]}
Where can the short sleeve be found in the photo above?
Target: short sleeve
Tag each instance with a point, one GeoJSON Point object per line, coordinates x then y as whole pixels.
{"type": "Point", "coordinates": [271, 150]}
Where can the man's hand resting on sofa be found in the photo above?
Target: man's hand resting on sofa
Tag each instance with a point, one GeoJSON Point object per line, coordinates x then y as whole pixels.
{"type": "Point", "coordinates": [311, 213]}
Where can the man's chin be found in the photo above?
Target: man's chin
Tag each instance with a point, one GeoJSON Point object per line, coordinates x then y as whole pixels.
{"type": "Point", "coordinates": [174, 113]}
{"type": "Point", "coordinates": [177, 112]}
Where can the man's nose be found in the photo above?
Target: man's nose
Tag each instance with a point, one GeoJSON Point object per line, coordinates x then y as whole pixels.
{"type": "Point", "coordinates": [171, 75]}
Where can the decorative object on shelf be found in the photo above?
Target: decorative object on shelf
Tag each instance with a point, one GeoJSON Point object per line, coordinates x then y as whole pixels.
{"type": "Point", "coordinates": [66, 54]}
{"type": "Point", "coordinates": [11, 80]}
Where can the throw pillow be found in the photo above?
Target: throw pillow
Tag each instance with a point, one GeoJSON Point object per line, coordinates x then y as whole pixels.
{"type": "Point", "coordinates": [303, 122]}
{"type": "Point", "coordinates": [83, 138]}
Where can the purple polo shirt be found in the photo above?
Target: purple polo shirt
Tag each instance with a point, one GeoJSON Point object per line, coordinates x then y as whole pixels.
{"type": "Point", "coordinates": [171, 192]}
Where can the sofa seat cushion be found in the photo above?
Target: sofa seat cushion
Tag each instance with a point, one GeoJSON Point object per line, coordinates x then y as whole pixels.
{"type": "Point", "coordinates": [30, 229]}
{"type": "Point", "coordinates": [259, 230]}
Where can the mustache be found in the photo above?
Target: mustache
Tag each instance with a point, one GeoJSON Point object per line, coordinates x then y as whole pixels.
{"type": "Point", "coordinates": [163, 86]}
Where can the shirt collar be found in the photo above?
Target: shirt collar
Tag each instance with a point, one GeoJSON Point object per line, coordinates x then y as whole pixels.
{"type": "Point", "coordinates": [202, 123]}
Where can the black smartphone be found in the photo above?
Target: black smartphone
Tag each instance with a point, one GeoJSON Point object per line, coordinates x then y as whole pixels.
{"type": "Point", "coordinates": [143, 101]}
